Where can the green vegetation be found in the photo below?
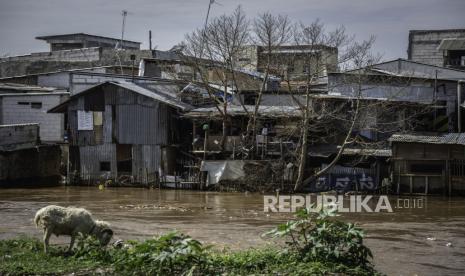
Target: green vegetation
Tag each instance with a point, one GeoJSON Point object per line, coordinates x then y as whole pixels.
{"type": "Point", "coordinates": [316, 244]}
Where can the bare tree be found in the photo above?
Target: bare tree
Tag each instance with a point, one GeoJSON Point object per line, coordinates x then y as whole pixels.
{"type": "Point", "coordinates": [270, 32]}
{"type": "Point", "coordinates": [213, 50]}
{"type": "Point", "coordinates": [315, 39]}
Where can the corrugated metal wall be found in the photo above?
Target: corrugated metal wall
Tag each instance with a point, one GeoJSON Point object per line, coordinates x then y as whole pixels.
{"type": "Point", "coordinates": [146, 160]}
{"type": "Point", "coordinates": [142, 125]}
{"type": "Point", "coordinates": [90, 158]}
{"type": "Point", "coordinates": [128, 119]}
{"type": "Point", "coordinates": [107, 124]}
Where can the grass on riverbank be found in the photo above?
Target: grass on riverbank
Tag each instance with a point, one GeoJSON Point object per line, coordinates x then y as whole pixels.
{"type": "Point", "coordinates": [316, 244]}
{"type": "Point", "coordinates": [24, 255]}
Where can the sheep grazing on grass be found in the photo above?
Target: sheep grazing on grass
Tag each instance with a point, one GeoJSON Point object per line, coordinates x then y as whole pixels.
{"type": "Point", "coordinates": [70, 221]}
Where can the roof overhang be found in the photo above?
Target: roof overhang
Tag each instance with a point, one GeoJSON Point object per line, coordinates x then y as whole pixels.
{"type": "Point", "coordinates": [155, 95]}
{"type": "Point", "coordinates": [452, 44]}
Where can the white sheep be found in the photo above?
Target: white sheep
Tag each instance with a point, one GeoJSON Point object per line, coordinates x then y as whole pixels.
{"type": "Point", "coordinates": [70, 221]}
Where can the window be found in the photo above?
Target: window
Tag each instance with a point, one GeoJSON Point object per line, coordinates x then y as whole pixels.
{"type": "Point", "coordinates": [36, 105]}
{"type": "Point", "coordinates": [105, 166]}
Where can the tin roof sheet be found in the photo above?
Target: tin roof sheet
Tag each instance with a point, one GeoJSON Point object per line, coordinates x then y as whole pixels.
{"type": "Point", "coordinates": [450, 138]}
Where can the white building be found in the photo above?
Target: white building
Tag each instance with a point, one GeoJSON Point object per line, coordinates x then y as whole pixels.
{"type": "Point", "coordinates": [23, 104]}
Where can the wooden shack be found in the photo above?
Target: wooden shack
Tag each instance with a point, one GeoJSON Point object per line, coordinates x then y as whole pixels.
{"type": "Point", "coordinates": [117, 130]}
{"type": "Point", "coordinates": [423, 164]}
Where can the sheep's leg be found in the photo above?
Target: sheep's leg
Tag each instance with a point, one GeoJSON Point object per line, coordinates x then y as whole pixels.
{"type": "Point", "coordinates": [71, 244]}
{"type": "Point", "coordinates": [47, 234]}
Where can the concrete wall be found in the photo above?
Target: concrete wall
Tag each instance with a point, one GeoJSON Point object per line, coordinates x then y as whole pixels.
{"type": "Point", "coordinates": [68, 59]}
{"type": "Point", "coordinates": [18, 136]}
{"type": "Point", "coordinates": [51, 124]}
{"type": "Point", "coordinates": [423, 45]}
{"type": "Point", "coordinates": [58, 80]}
{"type": "Point", "coordinates": [32, 166]}
{"type": "Point", "coordinates": [86, 54]}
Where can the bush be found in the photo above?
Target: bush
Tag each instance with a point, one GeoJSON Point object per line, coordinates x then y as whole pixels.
{"type": "Point", "coordinates": [173, 253]}
{"type": "Point", "coordinates": [318, 237]}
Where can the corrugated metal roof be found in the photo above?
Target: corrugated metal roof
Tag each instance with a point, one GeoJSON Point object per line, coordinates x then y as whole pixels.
{"type": "Point", "coordinates": [152, 92]}
{"type": "Point", "coordinates": [27, 88]}
{"type": "Point", "coordinates": [452, 44]}
{"type": "Point", "coordinates": [238, 110]}
{"type": "Point", "coordinates": [368, 152]}
{"type": "Point", "coordinates": [450, 138]}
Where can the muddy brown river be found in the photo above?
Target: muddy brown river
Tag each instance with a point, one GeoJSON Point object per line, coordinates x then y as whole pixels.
{"type": "Point", "coordinates": [410, 241]}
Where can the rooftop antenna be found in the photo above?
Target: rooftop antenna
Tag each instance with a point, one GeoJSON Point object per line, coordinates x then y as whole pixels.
{"type": "Point", "coordinates": [124, 13]}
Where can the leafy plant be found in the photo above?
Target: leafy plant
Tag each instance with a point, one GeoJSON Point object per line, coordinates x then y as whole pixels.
{"type": "Point", "coordinates": [89, 248]}
{"type": "Point", "coordinates": [319, 237]}
{"type": "Point", "coordinates": [172, 253]}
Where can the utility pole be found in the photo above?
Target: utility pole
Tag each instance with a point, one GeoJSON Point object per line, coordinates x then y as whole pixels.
{"type": "Point", "coordinates": [124, 13]}
{"type": "Point", "coordinates": [208, 12]}
{"type": "Point", "coordinates": [205, 26]}
{"type": "Point", "coordinates": [150, 40]}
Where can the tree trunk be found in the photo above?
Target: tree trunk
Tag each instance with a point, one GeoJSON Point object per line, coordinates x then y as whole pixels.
{"type": "Point", "coordinates": [304, 146]}
{"type": "Point", "coordinates": [341, 150]}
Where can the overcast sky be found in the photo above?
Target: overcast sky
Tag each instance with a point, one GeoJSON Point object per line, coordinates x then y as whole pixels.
{"type": "Point", "coordinates": [170, 20]}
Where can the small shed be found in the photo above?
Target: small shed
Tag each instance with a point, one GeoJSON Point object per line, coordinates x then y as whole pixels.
{"type": "Point", "coordinates": [428, 164]}
{"type": "Point", "coordinates": [117, 130]}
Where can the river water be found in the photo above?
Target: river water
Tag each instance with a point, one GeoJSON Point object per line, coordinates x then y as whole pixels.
{"type": "Point", "coordinates": [409, 241]}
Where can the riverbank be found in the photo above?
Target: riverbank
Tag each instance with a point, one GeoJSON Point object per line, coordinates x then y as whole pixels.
{"type": "Point", "coordinates": [311, 244]}
{"type": "Point", "coordinates": [24, 256]}
{"type": "Point", "coordinates": [407, 241]}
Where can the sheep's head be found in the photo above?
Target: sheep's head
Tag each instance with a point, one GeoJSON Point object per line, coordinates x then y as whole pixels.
{"type": "Point", "coordinates": [103, 232]}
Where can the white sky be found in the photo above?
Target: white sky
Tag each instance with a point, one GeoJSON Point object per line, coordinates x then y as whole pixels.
{"type": "Point", "coordinates": [170, 20]}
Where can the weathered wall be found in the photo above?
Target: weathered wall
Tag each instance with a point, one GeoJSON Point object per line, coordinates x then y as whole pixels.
{"type": "Point", "coordinates": [92, 156]}
{"type": "Point", "coordinates": [423, 45]}
{"type": "Point", "coordinates": [68, 59]}
{"type": "Point", "coordinates": [33, 166]}
{"type": "Point", "coordinates": [51, 124]}
{"type": "Point", "coordinates": [18, 136]}
{"type": "Point", "coordinates": [128, 119]}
